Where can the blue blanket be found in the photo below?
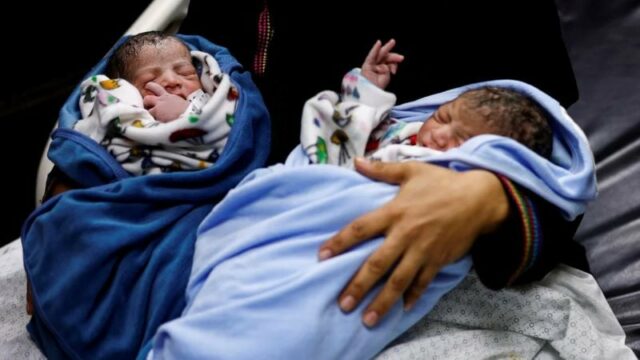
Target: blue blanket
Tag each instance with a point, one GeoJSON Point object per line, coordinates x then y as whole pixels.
{"type": "Point", "coordinates": [257, 289]}
{"type": "Point", "coordinates": [109, 263]}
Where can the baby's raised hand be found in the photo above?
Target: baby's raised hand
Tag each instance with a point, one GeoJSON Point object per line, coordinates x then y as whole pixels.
{"type": "Point", "coordinates": [163, 106]}
{"type": "Point", "coordinates": [381, 63]}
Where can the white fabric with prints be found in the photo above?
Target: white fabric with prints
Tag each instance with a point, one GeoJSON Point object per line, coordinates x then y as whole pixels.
{"type": "Point", "coordinates": [114, 116]}
{"type": "Point", "coordinates": [335, 129]}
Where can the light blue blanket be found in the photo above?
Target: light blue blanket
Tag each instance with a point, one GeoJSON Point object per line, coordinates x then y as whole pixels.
{"type": "Point", "coordinates": [257, 289]}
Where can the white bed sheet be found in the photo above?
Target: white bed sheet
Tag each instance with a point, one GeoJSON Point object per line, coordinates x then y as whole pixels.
{"type": "Point", "coordinates": [15, 343]}
{"type": "Point", "coordinates": [563, 316]}
{"type": "Point", "coordinates": [444, 334]}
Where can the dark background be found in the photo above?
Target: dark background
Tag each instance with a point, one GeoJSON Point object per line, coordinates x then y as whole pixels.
{"type": "Point", "coordinates": [39, 72]}
{"type": "Point", "coordinates": [603, 39]}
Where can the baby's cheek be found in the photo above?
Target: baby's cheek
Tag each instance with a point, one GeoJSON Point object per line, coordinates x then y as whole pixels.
{"type": "Point", "coordinates": [195, 86]}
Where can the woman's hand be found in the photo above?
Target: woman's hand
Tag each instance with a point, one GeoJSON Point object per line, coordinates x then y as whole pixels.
{"type": "Point", "coordinates": [433, 221]}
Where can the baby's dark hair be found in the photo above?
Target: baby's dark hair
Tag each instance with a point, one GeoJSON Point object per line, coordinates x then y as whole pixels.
{"type": "Point", "coordinates": [122, 60]}
{"type": "Point", "coordinates": [513, 115]}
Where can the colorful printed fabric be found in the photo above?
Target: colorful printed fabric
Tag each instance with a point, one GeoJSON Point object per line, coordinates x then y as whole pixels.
{"type": "Point", "coordinates": [335, 129]}
{"type": "Point", "coordinates": [114, 116]}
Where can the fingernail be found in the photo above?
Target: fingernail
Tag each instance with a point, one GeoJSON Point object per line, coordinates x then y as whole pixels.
{"type": "Point", "coordinates": [347, 303]}
{"type": "Point", "coordinates": [370, 318]}
{"type": "Point", "coordinates": [325, 254]}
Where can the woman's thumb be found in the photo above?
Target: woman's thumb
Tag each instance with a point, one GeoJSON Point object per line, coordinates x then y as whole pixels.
{"type": "Point", "coordinates": [392, 173]}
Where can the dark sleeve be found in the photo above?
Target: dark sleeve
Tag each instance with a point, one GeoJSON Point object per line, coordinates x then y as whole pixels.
{"type": "Point", "coordinates": [530, 243]}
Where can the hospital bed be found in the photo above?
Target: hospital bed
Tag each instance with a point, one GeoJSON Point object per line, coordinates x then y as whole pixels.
{"type": "Point", "coordinates": [608, 230]}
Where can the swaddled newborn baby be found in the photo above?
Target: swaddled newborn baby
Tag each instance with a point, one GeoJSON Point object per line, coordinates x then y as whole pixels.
{"type": "Point", "coordinates": [336, 128]}
{"type": "Point", "coordinates": [159, 107]}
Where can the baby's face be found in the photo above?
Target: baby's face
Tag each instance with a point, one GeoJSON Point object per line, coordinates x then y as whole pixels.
{"type": "Point", "coordinates": [451, 125]}
{"type": "Point", "coordinates": [167, 64]}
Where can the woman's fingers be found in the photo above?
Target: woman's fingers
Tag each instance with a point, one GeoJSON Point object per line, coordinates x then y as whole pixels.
{"type": "Point", "coordinates": [392, 173]}
{"type": "Point", "coordinates": [363, 228]}
{"type": "Point", "coordinates": [401, 278]}
{"type": "Point", "coordinates": [419, 285]}
{"type": "Point", "coordinates": [433, 220]}
{"type": "Point", "coordinates": [374, 268]}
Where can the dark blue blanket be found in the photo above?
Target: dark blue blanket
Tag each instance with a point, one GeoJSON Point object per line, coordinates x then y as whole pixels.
{"type": "Point", "coordinates": [109, 263]}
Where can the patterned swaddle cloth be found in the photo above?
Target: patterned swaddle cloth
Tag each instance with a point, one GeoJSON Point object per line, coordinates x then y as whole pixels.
{"type": "Point", "coordinates": [113, 115]}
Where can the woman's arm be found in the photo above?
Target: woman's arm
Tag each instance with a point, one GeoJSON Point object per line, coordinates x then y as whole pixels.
{"type": "Point", "coordinates": [531, 241]}
{"type": "Point", "coordinates": [435, 219]}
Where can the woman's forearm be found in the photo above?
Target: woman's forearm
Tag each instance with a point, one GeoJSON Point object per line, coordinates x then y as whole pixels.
{"type": "Point", "coordinates": [527, 244]}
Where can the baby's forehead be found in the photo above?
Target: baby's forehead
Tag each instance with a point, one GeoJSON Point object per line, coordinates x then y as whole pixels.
{"type": "Point", "coordinates": [172, 47]}
{"type": "Point", "coordinates": [168, 51]}
{"type": "Point", "coordinates": [462, 111]}
{"type": "Point", "coordinates": [468, 106]}
{"type": "Point", "coordinates": [454, 103]}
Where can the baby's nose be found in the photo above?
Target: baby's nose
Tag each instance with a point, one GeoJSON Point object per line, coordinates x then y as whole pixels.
{"type": "Point", "coordinates": [172, 86]}
{"type": "Point", "coordinates": [170, 82]}
{"type": "Point", "coordinates": [441, 138]}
